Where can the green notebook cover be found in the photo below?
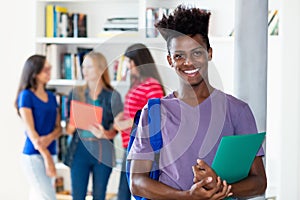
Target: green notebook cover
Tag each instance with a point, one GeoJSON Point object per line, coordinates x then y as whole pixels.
{"type": "Point", "coordinates": [235, 156]}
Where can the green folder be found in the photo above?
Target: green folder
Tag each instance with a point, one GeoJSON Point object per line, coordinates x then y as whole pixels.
{"type": "Point", "coordinates": [235, 156]}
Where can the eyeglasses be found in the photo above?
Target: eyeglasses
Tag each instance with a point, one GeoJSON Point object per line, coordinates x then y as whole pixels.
{"type": "Point", "coordinates": [195, 55]}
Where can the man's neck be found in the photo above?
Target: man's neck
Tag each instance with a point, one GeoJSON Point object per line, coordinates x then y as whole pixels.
{"type": "Point", "coordinates": [194, 95]}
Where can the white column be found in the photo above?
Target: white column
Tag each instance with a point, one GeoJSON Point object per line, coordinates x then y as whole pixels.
{"type": "Point", "coordinates": [250, 50]}
{"type": "Point", "coordinates": [289, 27]}
{"type": "Point", "coordinates": [250, 62]}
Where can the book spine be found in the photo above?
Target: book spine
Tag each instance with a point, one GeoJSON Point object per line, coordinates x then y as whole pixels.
{"type": "Point", "coordinates": [67, 66]}
{"type": "Point", "coordinates": [49, 20]}
{"type": "Point", "coordinates": [75, 25]}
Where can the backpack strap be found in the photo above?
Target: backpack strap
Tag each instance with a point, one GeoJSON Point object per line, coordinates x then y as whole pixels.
{"type": "Point", "coordinates": [154, 121]}
{"type": "Point", "coordinates": [155, 135]}
{"type": "Point", "coordinates": [156, 142]}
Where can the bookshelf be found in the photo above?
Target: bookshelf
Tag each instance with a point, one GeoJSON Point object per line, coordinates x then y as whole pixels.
{"type": "Point", "coordinates": [114, 44]}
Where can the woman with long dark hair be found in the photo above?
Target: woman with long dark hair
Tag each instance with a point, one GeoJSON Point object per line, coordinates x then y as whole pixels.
{"type": "Point", "coordinates": [145, 83]}
{"type": "Point", "coordinates": [38, 108]}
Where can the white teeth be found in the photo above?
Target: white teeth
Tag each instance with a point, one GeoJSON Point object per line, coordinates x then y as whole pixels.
{"type": "Point", "coordinates": [191, 71]}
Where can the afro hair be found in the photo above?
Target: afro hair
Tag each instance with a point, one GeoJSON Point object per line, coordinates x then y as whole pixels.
{"type": "Point", "coordinates": [185, 20]}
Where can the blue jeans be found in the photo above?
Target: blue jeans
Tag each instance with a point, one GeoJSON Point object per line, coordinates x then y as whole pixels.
{"type": "Point", "coordinates": [41, 185]}
{"type": "Point", "coordinates": [124, 191]}
{"type": "Point", "coordinates": [83, 164]}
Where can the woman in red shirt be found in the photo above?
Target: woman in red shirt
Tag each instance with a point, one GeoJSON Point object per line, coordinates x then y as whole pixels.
{"type": "Point", "coordinates": [145, 83]}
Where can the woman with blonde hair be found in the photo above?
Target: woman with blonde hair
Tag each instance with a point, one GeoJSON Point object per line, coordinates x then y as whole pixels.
{"type": "Point", "coordinates": [92, 151]}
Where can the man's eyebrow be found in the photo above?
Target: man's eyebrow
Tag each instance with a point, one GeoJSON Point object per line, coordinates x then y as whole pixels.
{"type": "Point", "coordinates": [182, 51]}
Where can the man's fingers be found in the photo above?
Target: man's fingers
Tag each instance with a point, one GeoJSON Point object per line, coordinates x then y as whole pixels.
{"type": "Point", "coordinates": [201, 164]}
{"type": "Point", "coordinates": [204, 181]}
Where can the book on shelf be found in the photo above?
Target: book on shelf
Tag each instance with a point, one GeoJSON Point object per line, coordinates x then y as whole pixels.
{"type": "Point", "coordinates": [68, 67]}
{"type": "Point", "coordinates": [123, 20]}
{"type": "Point", "coordinates": [55, 20]}
{"type": "Point", "coordinates": [54, 55]}
{"type": "Point", "coordinates": [72, 64]}
{"type": "Point", "coordinates": [152, 16]}
{"type": "Point", "coordinates": [81, 51]}
{"type": "Point", "coordinates": [79, 24]}
{"type": "Point", "coordinates": [121, 24]}
{"type": "Point", "coordinates": [50, 20]}
{"type": "Point", "coordinates": [120, 69]}
{"type": "Point", "coordinates": [61, 23]}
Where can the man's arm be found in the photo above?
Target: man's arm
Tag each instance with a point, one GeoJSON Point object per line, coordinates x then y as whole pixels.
{"type": "Point", "coordinates": [256, 182]}
{"type": "Point", "coordinates": [142, 185]}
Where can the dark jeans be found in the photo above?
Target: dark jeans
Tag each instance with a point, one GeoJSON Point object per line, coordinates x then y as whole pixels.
{"type": "Point", "coordinates": [124, 192]}
{"type": "Point", "coordinates": [83, 164]}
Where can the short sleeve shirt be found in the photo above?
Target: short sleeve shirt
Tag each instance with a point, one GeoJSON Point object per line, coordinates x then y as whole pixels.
{"type": "Point", "coordinates": [190, 133]}
{"type": "Point", "coordinates": [44, 117]}
{"type": "Point", "coordinates": [136, 98]}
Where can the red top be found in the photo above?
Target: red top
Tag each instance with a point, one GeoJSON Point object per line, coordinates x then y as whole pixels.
{"type": "Point", "coordinates": [136, 98]}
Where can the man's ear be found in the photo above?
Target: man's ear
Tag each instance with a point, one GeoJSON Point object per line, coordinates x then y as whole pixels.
{"type": "Point", "coordinates": [210, 51]}
{"type": "Point", "coordinates": [169, 60]}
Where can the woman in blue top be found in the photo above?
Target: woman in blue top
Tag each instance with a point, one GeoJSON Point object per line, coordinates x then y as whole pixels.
{"type": "Point", "coordinates": [92, 151]}
{"type": "Point", "coordinates": [39, 110]}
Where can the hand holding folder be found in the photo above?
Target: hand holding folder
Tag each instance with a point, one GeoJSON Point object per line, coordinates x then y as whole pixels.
{"type": "Point", "coordinates": [235, 156]}
{"type": "Point", "coordinates": [83, 115]}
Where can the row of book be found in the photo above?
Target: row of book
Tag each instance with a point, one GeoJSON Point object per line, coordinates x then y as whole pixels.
{"type": "Point", "coordinates": [65, 65]}
{"type": "Point", "coordinates": [61, 23]}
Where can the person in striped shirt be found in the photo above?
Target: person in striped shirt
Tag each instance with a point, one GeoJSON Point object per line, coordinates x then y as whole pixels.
{"type": "Point", "coordinates": [145, 83]}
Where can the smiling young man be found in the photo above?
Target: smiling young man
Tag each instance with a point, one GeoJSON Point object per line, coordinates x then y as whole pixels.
{"type": "Point", "coordinates": [194, 119]}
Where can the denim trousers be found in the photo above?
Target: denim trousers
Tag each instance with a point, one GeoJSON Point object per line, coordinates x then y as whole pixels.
{"type": "Point", "coordinates": [124, 191]}
{"type": "Point", "coordinates": [84, 164]}
{"type": "Point", "coordinates": [41, 185]}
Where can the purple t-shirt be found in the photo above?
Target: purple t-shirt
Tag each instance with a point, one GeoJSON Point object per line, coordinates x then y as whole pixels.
{"type": "Point", "coordinates": [190, 133]}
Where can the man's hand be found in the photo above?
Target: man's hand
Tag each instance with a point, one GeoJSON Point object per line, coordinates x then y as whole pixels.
{"type": "Point", "coordinates": [202, 170]}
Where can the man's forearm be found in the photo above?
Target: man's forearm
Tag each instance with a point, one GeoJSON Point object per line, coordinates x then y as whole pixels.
{"type": "Point", "coordinates": [151, 189]}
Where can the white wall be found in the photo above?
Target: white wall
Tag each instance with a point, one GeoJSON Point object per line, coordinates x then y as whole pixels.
{"type": "Point", "coordinates": [17, 43]}
{"type": "Point", "coordinates": [289, 182]}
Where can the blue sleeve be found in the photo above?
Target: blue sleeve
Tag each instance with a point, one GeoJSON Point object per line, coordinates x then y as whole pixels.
{"type": "Point", "coordinates": [24, 99]}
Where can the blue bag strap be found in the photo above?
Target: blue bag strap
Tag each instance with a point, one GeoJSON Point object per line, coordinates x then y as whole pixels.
{"type": "Point", "coordinates": [154, 121]}
{"type": "Point", "coordinates": [133, 129]}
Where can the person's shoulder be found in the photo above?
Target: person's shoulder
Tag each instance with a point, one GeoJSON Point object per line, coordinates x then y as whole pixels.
{"type": "Point", "coordinates": [26, 93]}
{"type": "Point", "coordinates": [169, 96]}
{"type": "Point", "coordinates": [169, 99]}
{"type": "Point", "coordinates": [232, 101]}
{"type": "Point", "coordinates": [150, 82]}
{"type": "Point", "coordinates": [111, 93]}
